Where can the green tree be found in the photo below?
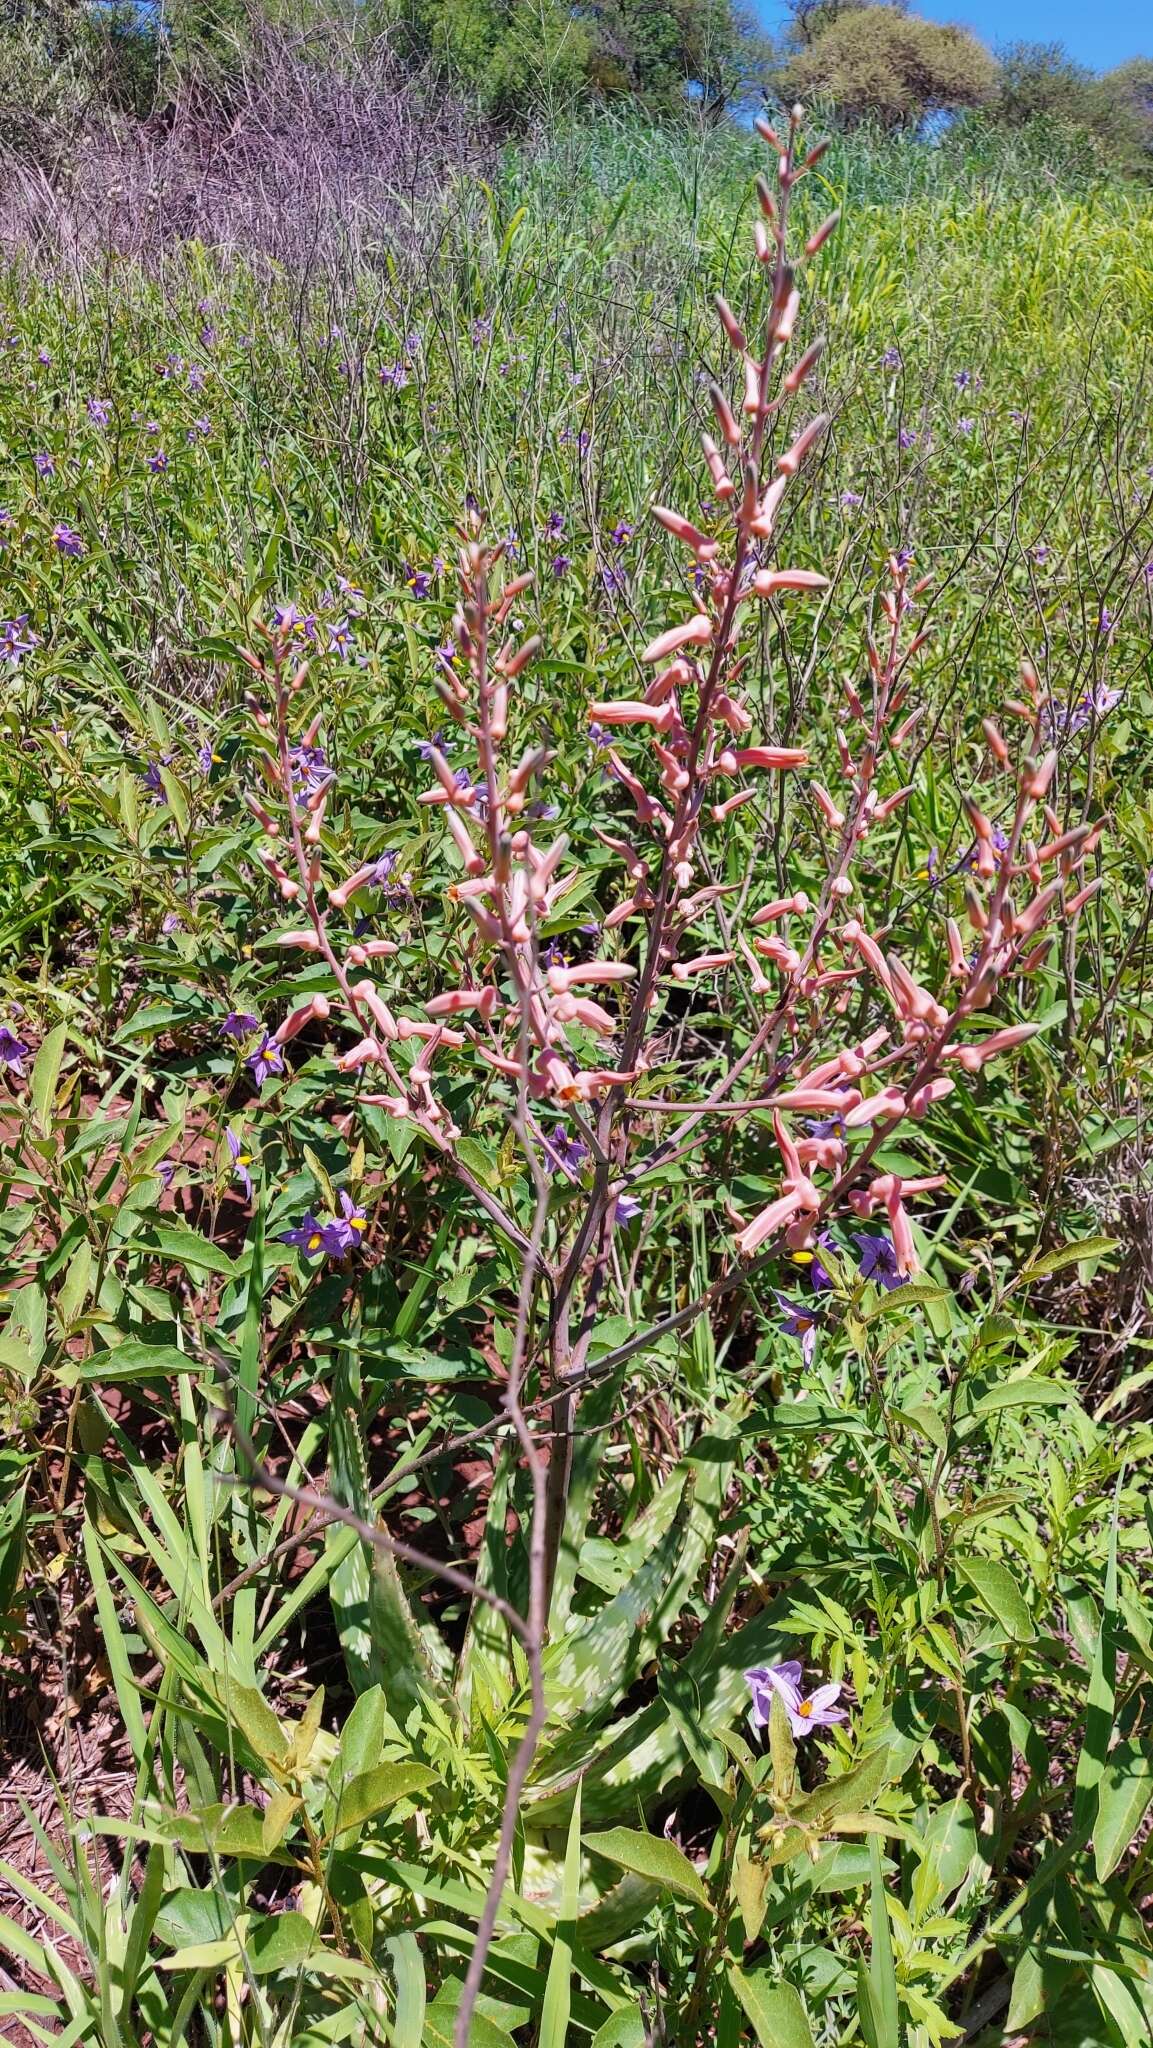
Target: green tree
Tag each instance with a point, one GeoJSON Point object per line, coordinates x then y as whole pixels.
{"type": "Point", "coordinates": [1040, 86]}
{"type": "Point", "coordinates": [659, 50]}
{"type": "Point", "coordinates": [882, 64]}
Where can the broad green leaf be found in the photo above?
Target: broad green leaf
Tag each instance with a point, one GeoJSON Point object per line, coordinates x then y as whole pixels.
{"type": "Point", "coordinates": [176, 1243]}
{"type": "Point", "coordinates": [1069, 1255]}
{"type": "Point", "coordinates": [255, 1720]}
{"type": "Point", "coordinates": [134, 1361]}
{"type": "Point", "coordinates": [1124, 1793]}
{"type": "Point", "coordinates": [848, 1793]}
{"type": "Point", "coordinates": [361, 1738]}
{"type": "Point", "coordinates": [999, 1590]}
{"type": "Point", "coordinates": [191, 1919]}
{"type": "Point", "coordinates": [278, 1815]}
{"type": "Point", "coordinates": [622, 2030]}
{"type": "Point", "coordinates": [45, 1075]}
{"type": "Point", "coordinates": [1025, 1393]}
{"type": "Point", "coordinates": [749, 1882]}
{"type": "Point", "coordinates": [479, 1162]}
{"type": "Point", "coordinates": [775, 2010]}
{"type": "Point", "coordinates": [654, 1857]}
{"type": "Point", "coordinates": [376, 1790]}
{"type": "Point", "coordinates": [440, 2021]}
{"type": "Point", "coordinates": [277, 1941]}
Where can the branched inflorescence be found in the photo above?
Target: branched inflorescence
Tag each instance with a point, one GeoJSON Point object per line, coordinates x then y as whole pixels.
{"type": "Point", "coordinates": [847, 1040]}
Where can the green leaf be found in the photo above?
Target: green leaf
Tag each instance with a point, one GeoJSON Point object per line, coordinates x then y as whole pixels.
{"type": "Point", "coordinates": [481, 1164]}
{"type": "Point", "coordinates": [1025, 1393]}
{"type": "Point", "coordinates": [361, 1738]}
{"type": "Point", "coordinates": [185, 1247]}
{"type": "Point", "coordinates": [278, 1816]}
{"type": "Point", "coordinates": [1123, 1797]}
{"type": "Point", "coordinates": [255, 1720]}
{"type": "Point", "coordinates": [1068, 1255]}
{"type": "Point", "coordinates": [403, 1952]}
{"type": "Point", "coordinates": [252, 1330]}
{"type": "Point", "coordinates": [750, 1880]}
{"type": "Point", "coordinates": [191, 1919]}
{"type": "Point", "coordinates": [1100, 1697]}
{"type": "Point", "coordinates": [848, 1793]}
{"type": "Point", "coordinates": [277, 1941]}
{"type": "Point", "coordinates": [177, 801]}
{"type": "Point", "coordinates": [376, 1790]}
{"type": "Point", "coordinates": [1000, 1591]}
{"type": "Point", "coordinates": [45, 1075]}
{"type": "Point", "coordinates": [882, 1973]}
{"type": "Point", "coordinates": [557, 2007]}
{"type": "Point", "coordinates": [775, 2010]}
{"type": "Point", "coordinates": [440, 2022]}
{"type": "Point", "coordinates": [651, 1856]}
{"type": "Point", "coordinates": [134, 1361]}
{"type": "Point", "coordinates": [622, 2030]}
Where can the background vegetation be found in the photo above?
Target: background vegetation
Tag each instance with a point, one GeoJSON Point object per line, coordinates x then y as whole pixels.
{"type": "Point", "coordinates": [254, 1774]}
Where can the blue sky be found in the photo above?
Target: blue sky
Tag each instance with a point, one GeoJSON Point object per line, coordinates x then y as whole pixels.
{"type": "Point", "coordinates": [1100, 35]}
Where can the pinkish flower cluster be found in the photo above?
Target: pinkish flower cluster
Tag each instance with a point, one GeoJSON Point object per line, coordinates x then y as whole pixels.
{"type": "Point", "coordinates": [683, 756]}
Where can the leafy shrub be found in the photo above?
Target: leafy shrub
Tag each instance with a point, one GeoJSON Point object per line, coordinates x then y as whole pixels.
{"type": "Point", "coordinates": [882, 64]}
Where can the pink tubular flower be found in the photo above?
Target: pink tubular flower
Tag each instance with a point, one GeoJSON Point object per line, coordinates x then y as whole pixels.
{"type": "Point", "coordinates": [781, 906]}
{"type": "Point", "coordinates": [789, 463]}
{"type": "Point", "coordinates": [818, 1710]}
{"type": "Point", "coordinates": [830, 810]}
{"type": "Point", "coordinates": [888, 1102]}
{"type": "Point", "coordinates": [767, 582]}
{"type": "Point", "coordinates": [696, 632]}
{"type": "Point", "coordinates": [705, 963]}
{"type": "Point", "coordinates": [632, 711]}
{"type": "Point", "coordinates": [589, 974]}
{"type": "Point", "coordinates": [973, 1057]}
{"type": "Point", "coordinates": [683, 529]}
{"type": "Point", "coordinates": [766, 1225]}
{"type": "Point", "coordinates": [771, 757]}
{"type": "Point", "coordinates": [455, 1000]}
{"type": "Point", "coordinates": [889, 1189]}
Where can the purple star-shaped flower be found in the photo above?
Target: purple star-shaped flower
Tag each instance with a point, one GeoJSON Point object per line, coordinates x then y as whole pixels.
{"type": "Point", "coordinates": [267, 1059]}
{"type": "Point", "coordinates": [347, 1231]}
{"type": "Point", "coordinates": [799, 1321]}
{"type": "Point", "coordinates": [15, 639]}
{"type": "Point", "coordinates": [67, 540]}
{"type": "Point", "coordinates": [818, 1710]}
{"type": "Point", "coordinates": [879, 1261]}
{"type": "Point", "coordinates": [308, 1236]}
{"type": "Point", "coordinates": [241, 1162]}
{"type": "Point", "coordinates": [564, 1152]}
{"type": "Point", "coordinates": [13, 1051]}
{"type": "Point", "coordinates": [239, 1024]}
